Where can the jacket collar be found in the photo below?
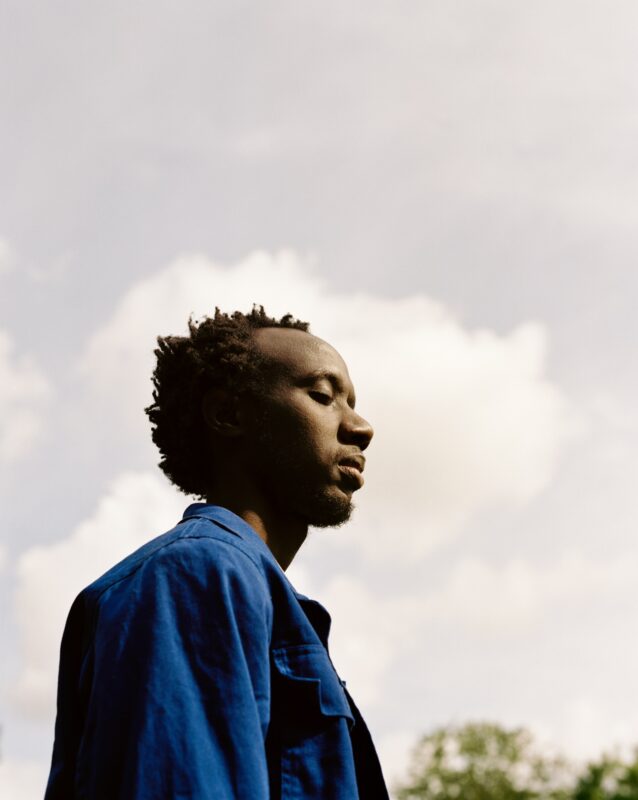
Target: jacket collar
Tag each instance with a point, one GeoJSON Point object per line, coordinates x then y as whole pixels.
{"type": "Point", "coordinates": [231, 522]}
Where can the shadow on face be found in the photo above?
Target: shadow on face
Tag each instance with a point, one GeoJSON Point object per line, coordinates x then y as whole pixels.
{"type": "Point", "coordinates": [309, 441]}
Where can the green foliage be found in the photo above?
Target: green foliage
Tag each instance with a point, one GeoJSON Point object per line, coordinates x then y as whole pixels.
{"type": "Point", "coordinates": [608, 779]}
{"type": "Point", "coordinates": [484, 761]}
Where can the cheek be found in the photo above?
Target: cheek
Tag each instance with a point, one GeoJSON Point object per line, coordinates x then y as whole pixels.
{"type": "Point", "coordinates": [304, 435]}
{"type": "Point", "coordinates": [307, 438]}
{"type": "Point", "coordinates": [301, 428]}
{"type": "Point", "coordinates": [319, 442]}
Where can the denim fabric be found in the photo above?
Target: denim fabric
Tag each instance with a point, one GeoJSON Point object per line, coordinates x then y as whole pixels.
{"type": "Point", "coordinates": [192, 669]}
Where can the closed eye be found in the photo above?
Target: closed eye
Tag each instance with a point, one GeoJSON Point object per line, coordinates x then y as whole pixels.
{"type": "Point", "coordinates": [321, 397]}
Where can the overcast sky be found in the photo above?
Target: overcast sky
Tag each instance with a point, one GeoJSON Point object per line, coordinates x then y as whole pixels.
{"type": "Point", "coordinates": [447, 191]}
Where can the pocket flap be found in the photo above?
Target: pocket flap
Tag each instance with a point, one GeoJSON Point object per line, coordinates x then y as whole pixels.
{"type": "Point", "coordinates": [310, 669]}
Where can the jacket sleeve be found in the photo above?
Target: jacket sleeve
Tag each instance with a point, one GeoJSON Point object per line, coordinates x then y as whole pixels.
{"type": "Point", "coordinates": [177, 680]}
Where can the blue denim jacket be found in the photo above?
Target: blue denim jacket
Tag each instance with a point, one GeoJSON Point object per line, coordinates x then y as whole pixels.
{"type": "Point", "coordinates": [192, 669]}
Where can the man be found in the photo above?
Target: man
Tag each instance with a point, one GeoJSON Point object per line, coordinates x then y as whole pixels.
{"type": "Point", "coordinates": [193, 669]}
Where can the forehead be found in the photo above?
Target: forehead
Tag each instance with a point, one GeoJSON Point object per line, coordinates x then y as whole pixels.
{"type": "Point", "coordinates": [297, 353]}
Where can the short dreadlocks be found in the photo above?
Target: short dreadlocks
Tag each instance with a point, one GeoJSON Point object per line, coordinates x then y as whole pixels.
{"type": "Point", "coordinates": [219, 352]}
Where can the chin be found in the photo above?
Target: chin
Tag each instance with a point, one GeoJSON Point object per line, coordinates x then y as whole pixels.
{"type": "Point", "coordinates": [329, 510]}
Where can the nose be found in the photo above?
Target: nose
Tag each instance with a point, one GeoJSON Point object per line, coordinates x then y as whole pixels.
{"type": "Point", "coordinates": [356, 430]}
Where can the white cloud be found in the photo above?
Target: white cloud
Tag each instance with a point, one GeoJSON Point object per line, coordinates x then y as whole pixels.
{"type": "Point", "coordinates": [370, 630]}
{"type": "Point", "coordinates": [21, 779]}
{"type": "Point", "coordinates": [395, 751]}
{"type": "Point", "coordinates": [380, 639]}
{"type": "Point", "coordinates": [374, 630]}
{"type": "Point", "coordinates": [506, 600]}
{"type": "Point", "coordinates": [136, 508]}
{"type": "Point", "coordinates": [23, 388]}
{"type": "Point", "coordinates": [190, 285]}
{"type": "Point", "coordinates": [465, 419]}
{"type": "Point", "coordinates": [587, 727]}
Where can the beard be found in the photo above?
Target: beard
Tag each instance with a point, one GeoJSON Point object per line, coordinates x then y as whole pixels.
{"type": "Point", "coordinates": [299, 486]}
{"type": "Point", "coordinates": [320, 504]}
{"type": "Point", "coordinates": [327, 510]}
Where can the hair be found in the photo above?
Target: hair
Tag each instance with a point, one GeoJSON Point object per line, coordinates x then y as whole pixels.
{"type": "Point", "coordinates": [219, 352]}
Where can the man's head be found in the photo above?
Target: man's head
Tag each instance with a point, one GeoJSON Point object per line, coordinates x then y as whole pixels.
{"type": "Point", "coordinates": [271, 397]}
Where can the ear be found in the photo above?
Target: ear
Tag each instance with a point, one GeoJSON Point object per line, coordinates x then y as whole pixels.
{"type": "Point", "coordinates": [220, 410]}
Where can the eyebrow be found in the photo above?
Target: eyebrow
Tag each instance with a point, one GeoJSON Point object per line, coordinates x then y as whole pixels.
{"type": "Point", "coordinates": [332, 377]}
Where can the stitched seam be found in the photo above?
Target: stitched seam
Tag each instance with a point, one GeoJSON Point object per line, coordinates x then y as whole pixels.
{"type": "Point", "coordinates": [176, 541]}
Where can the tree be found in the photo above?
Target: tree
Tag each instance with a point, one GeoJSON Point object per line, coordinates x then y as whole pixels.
{"type": "Point", "coordinates": [485, 761]}
{"type": "Point", "coordinates": [609, 778]}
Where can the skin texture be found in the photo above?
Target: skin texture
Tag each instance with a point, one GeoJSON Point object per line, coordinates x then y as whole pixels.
{"type": "Point", "coordinates": [293, 456]}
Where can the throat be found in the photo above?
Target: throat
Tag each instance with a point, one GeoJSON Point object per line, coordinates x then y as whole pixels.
{"type": "Point", "coordinates": [283, 533]}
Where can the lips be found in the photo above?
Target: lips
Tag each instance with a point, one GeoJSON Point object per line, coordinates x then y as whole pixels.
{"type": "Point", "coordinates": [351, 468]}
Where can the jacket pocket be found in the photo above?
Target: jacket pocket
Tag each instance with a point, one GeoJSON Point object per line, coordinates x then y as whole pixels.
{"type": "Point", "coordinates": [309, 735]}
{"type": "Point", "coordinates": [308, 684]}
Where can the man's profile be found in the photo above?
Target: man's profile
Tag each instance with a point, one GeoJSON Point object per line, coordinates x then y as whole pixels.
{"type": "Point", "coordinates": [193, 669]}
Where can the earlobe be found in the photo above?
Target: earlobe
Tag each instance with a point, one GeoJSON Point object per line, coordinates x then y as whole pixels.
{"type": "Point", "coordinates": [221, 413]}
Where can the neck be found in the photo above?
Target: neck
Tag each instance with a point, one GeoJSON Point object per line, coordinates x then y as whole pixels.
{"type": "Point", "coordinates": [283, 533]}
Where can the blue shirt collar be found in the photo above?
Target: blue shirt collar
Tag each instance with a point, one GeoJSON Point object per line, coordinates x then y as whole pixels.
{"type": "Point", "coordinates": [317, 614]}
{"type": "Point", "coordinates": [230, 522]}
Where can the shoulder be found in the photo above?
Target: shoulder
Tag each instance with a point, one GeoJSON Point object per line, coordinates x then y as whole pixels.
{"type": "Point", "coordinates": [194, 555]}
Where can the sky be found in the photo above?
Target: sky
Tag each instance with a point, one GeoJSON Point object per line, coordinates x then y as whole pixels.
{"type": "Point", "coordinates": [447, 192]}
